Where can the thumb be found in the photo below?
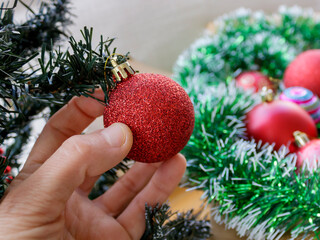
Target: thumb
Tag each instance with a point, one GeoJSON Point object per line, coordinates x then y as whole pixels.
{"type": "Point", "coordinates": [81, 156]}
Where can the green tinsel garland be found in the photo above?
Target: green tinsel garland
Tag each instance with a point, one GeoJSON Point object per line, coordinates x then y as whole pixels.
{"type": "Point", "coordinates": [255, 189]}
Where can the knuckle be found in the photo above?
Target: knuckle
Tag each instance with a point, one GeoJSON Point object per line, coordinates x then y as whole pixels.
{"type": "Point", "coordinates": [77, 145]}
{"type": "Point", "coordinates": [159, 187]}
{"type": "Point", "coordinates": [129, 184]}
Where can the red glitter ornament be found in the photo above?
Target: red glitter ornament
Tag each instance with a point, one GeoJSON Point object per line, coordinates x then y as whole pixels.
{"type": "Point", "coordinates": [276, 121]}
{"type": "Point", "coordinates": [304, 71]}
{"type": "Point", "coordinates": [157, 110]}
{"type": "Point", "coordinates": [253, 80]}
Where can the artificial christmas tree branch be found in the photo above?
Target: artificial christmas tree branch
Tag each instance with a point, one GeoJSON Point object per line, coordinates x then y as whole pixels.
{"type": "Point", "coordinates": [162, 224]}
{"type": "Point", "coordinates": [19, 45]}
{"type": "Point", "coordinates": [63, 75]}
{"type": "Point", "coordinates": [59, 77]}
{"type": "Point", "coordinates": [25, 90]}
{"type": "Point", "coordinates": [46, 26]}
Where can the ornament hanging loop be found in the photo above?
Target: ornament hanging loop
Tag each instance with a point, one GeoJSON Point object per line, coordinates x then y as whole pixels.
{"type": "Point", "coordinates": [275, 81]}
{"type": "Point", "coordinates": [267, 94]}
{"type": "Point", "coordinates": [119, 71]}
{"type": "Point", "coordinates": [301, 139]}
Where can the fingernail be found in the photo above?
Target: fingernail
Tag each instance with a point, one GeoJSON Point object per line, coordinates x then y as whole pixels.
{"type": "Point", "coordinates": [115, 135]}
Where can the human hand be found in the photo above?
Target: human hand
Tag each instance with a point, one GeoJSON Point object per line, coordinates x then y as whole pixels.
{"type": "Point", "coordinates": [49, 197]}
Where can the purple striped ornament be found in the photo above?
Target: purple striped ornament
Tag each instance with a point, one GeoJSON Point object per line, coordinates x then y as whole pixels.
{"type": "Point", "coordinates": [305, 99]}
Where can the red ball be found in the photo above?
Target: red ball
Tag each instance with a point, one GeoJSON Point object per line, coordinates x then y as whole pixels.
{"type": "Point", "coordinates": [7, 170]}
{"type": "Point", "coordinates": [304, 71]}
{"type": "Point", "coordinates": [253, 80]}
{"type": "Point", "coordinates": [309, 152]}
{"type": "Point", "coordinates": [275, 122]}
{"type": "Point", "coordinates": [158, 111]}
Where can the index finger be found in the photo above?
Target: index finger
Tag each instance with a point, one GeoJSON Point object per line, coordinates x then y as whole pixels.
{"type": "Point", "coordinates": [70, 120]}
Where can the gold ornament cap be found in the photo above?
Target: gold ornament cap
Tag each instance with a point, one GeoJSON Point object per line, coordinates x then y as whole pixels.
{"type": "Point", "coordinates": [119, 71]}
{"type": "Point", "coordinates": [267, 94]}
{"type": "Point", "coordinates": [301, 139]}
{"type": "Point", "coordinates": [275, 82]}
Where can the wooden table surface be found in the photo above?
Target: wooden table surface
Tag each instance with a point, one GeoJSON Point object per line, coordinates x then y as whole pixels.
{"type": "Point", "coordinates": [183, 200]}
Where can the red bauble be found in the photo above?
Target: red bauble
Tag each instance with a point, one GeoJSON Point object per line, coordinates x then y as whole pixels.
{"type": "Point", "coordinates": [309, 152]}
{"type": "Point", "coordinates": [304, 71]}
{"type": "Point", "coordinates": [253, 80]}
{"type": "Point", "coordinates": [157, 110]}
{"type": "Point", "coordinates": [275, 122]}
{"type": "Point", "coordinates": [7, 170]}
{"type": "Point", "coordinates": [9, 179]}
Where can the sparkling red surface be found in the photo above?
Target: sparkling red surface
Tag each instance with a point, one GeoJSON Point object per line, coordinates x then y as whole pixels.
{"type": "Point", "coordinates": [157, 110]}
{"type": "Point", "coordinates": [276, 122]}
{"type": "Point", "coordinates": [304, 71]}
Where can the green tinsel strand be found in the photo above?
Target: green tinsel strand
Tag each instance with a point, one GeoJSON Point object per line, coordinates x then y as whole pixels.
{"type": "Point", "coordinates": [256, 191]}
{"type": "Point", "coordinates": [245, 178]}
{"type": "Point", "coordinates": [219, 122]}
{"type": "Point", "coordinates": [262, 189]}
{"type": "Point", "coordinates": [247, 41]}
